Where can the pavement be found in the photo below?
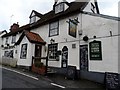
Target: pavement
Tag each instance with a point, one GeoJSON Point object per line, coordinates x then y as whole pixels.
{"type": "Point", "coordinates": [62, 81]}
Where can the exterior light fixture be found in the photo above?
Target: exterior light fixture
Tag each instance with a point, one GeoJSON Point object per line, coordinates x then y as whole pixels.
{"type": "Point", "coordinates": [2, 46]}
{"type": "Point", "coordinates": [85, 38]}
{"type": "Point", "coordinates": [52, 41]}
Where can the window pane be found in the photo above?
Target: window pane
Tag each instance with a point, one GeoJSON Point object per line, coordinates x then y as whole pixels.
{"type": "Point", "coordinates": [53, 28]}
{"type": "Point", "coordinates": [52, 51]}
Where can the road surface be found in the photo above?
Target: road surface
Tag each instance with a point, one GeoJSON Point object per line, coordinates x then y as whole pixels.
{"type": "Point", "coordinates": [15, 79]}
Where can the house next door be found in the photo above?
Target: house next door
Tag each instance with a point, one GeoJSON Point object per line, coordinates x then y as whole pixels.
{"type": "Point", "coordinates": [84, 57]}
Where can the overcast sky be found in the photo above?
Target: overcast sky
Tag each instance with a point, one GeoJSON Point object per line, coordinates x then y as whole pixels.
{"type": "Point", "coordinates": [12, 11]}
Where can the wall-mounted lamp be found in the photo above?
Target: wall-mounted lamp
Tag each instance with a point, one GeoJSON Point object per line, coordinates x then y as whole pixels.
{"type": "Point", "coordinates": [7, 44]}
{"type": "Point", "coordinates": [85, 38]}
{"type": "Point", "coordinates": [52, 41]}
{"type": "Point", "coordinates": [94, 36]}
{"type": "Point", "coordinates": [2, 46]}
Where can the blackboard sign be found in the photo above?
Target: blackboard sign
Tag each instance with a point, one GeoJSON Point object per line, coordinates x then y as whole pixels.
{"type": "Point", "coordinates": [95, 50]}
{"type": "Point", "coordinates": [71, 72]}
{"type": "Point", "coordinates": [112, 81]}
{"type": "Point", "coordinates": [64, 57]}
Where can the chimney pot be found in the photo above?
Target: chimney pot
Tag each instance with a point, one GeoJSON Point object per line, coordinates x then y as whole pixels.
{"type": "Point", "coordinates": [14, 27]}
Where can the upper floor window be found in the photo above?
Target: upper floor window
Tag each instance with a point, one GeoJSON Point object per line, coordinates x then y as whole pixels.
{"type": "Point", "coordinates": [9, 53]}
{"type": "Point", "coordinates": [32, 19]}
{"type": "Point", "coordinates": [54, 28]}
{"type": "Point", "coordinates": [13, 39]}
{"type": "Point", "coordinates": [6, 40]}
{"type": "Point", "coordinates": [59, 8]}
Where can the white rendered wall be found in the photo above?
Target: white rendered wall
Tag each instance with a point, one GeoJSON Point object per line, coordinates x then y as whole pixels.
{"type": "Point", "coordinates": [101, 27]}
{"type": "Point", "coordinates": [28, 60]}
{"type": "Point", "coordinates": [73, 54]}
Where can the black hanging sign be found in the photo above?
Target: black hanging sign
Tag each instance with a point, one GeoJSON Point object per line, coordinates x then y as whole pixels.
{"type": "Point", "coordinates": [112, 81]}
{"type": "Point", "coordinates": [64, 57]}
{"type": "Point", "coordinates": [95, 50]}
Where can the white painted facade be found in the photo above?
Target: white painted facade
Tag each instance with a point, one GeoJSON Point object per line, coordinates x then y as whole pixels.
{"type": "Point", "coordinates": [101, 27]}
{"type": "Point", "coordinates": [90, 25]}
{"type": "Point", "coordinates": [1, 43]}
{"type": "Point", "coordinates": [109, 62]}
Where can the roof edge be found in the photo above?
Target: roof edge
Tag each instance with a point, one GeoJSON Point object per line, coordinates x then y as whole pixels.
{"type": "Point", "coordinates": [102, 15]}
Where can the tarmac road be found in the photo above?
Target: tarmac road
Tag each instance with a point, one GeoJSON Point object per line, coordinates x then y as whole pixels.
{"type": "Point", "coordinates": [14, 79]}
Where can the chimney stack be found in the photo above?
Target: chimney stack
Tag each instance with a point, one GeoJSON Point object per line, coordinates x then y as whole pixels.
{"type": "Point", "coordinates": [56, 1]}
{"type": "Point", "coordinates": [14, 27]}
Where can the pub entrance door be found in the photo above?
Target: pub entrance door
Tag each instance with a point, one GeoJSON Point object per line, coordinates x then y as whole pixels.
{"type": "Point", "coordinates": [37, 55]}
{"type": "Point", "coordinates": [38, 49]}
{"type": "Point", "coordinates": [84, 57]}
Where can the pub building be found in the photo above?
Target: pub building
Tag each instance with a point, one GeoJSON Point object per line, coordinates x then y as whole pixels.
{"type": "Point", "coordinates": [71, 34]}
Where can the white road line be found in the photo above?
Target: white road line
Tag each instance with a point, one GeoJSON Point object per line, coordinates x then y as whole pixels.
{"type": "Point", "coordinates": [57, 85]}
{"type": "Point", "coordinates": [21, 73]}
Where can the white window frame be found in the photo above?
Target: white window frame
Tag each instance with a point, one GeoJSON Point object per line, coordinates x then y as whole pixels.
{"type": "Point", "coordinates": [54, 28]}
{"type": "Point", "coordinates": [59, 8]}
{"type": "Point", "coordinates": [13, 39]}
{"type": "Point", "coordinates": [6, 42]}
{"type": "Point", "coordinates": [32, 19]}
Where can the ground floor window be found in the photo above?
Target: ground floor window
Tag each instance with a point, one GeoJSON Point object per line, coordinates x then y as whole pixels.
{"type": "Point", "coordinates": [8, 53]}
{"type": "Point", "coordinates": [23, 54]}
{"type": "Point", "coordinates": [52, 51]}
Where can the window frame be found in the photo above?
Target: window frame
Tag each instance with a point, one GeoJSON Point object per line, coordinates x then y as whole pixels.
{"type": "Point", "coordinates": [6, 42]}
{"type": "Point", "coordinates": [21, 55]}
{"type": "Point", "coordinates": [58, 7]}
{"type": "Point", "coordinates": [55, 52]}
{"type": "Point", "coordinates": [13, 39]}
{"type": "Point", "coordinates": [92, 8]}
{"type": "Point", "coordinates": [32, 19]}
{"type": "Point", "coordinates": [57, 28]}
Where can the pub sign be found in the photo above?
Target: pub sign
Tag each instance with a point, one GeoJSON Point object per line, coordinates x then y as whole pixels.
{"type": "Point", "coordinates": [72, 28]}
{"type": "Point", "coordinates": [95, 49]}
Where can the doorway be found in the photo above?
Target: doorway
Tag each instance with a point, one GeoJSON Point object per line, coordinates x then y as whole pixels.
{"type": "Point", "coordinates": [84, 57]}
{"type": "Point", "coordinates": [38, 49]}
{"type": "Point", "coordinates": [64, 62]}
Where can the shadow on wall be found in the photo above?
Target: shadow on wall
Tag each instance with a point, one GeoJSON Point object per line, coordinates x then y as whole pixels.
{"type": "Point", "coordinates": [9, 61]}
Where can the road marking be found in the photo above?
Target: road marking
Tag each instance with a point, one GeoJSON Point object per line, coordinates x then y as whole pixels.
{"type": "Point", "coordinates": [57, 85]}
{"type": "Point", "coordinates": [21, 73]}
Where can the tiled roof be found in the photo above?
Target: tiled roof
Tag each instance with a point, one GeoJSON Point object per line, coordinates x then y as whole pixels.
{"type": "Point", "coordinates": [37, 13]}
{"type": "Point", "coordinates": [25, 27]}
{"type": "Point", "coordinates": [3, 31]}
{"type": "Point", "coordinates": [74, 7]}
{"type": "Point", "coordinates": [32, 37]}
